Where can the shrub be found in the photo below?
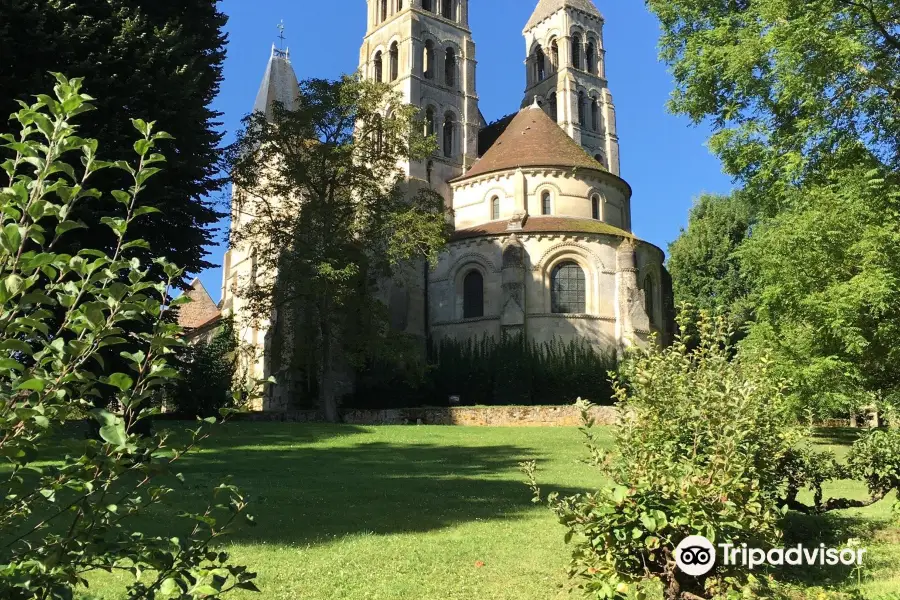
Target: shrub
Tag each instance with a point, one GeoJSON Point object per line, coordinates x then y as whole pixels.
{"type": "Point", "coordinates": [207, 375]}
{"type": "Point", "coordinates": [60, 315]}
{"type": "Point", "coordinates": [698, 444]}
{"type": "Point", "coordinates": [705, 446]}
{"type": "Point", "coordinates": [511, 371]}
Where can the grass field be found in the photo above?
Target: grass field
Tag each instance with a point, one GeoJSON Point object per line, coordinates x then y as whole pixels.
{"type": "Point", "coordinates": [381, 513]}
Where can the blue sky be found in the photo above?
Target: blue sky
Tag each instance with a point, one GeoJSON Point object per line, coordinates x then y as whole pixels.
{"type": "Point", "coordinates": [664, 158]}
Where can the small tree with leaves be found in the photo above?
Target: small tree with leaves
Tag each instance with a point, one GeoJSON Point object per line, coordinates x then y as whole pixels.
{"type": "Point", "coordinates": [60, 314]}
{"type": "Point", "coordinates": [325, 205]}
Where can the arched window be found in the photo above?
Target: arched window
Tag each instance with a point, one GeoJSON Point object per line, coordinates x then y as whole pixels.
{"type": "Point", "coordinates": [429, 59]}
{"type": "Point", "coordinates": [495, 208]}
{"type": "Point", "coordinates": [450, 68]}
{"type": "Point", "coordinates": [429, 168]}
{"type": "Point", "coordinates": [449, 127]}
{"type": "Point", "coordinates": [546, 207]}
{"type": "Point", "coordinates": [447, 9]}
{"type": "Point", "coordinates": [568, 289]}
{"type": "Point", "coordinates": [379, 135]}
{"type": "Point", "coordinates": [539, 67]}
{"type": "Point", "coordinates": [599, 159]}
{"type": "Point", "coordinates": [595, 207]}
{"type": "Point", "coordinates": [576, 51]}
{"type": "Point", "coordinates": [595, 115]}
{"type": "Point", "coordinates": [429, 121]}
{"type": "Point", "coordinates": [378, 66]}
{"type": "Point", "coordinates": [649, 296]}
{"type": "Point", "coordinates": [581, 116]}
{"type": "Point", "coordinates": [589, 57]}
{"type": "Point", "coordinates": [473, 295]}
{"type": "Point", "coordinates": [399, 5]}
{"type": "Point", "coordinates": [395, 61]}
{"type": "Point", "coordinates": [428, 5]}
{"type": "Point", "coordinates": [554, 110]}
{"type": "Point", "coordinates": [554, 54]}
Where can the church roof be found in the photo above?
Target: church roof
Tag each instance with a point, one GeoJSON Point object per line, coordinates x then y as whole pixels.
{"type": "Point", "coordinates": [200, 311]}
{"type": "Point", "coordinates": [489, 134]}
{"type": "Point", "coordinates": [546, 8]}
{"type": "Point", "coordinates": [540, 224]}
{"type": "Point", "coordinates": [279, 84]}
{"type": "Point", "coordinates": [532, 139]}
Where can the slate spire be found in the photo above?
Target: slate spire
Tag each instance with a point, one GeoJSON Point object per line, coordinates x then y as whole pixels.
{"type": "Point", "coordinates": [279, 84]}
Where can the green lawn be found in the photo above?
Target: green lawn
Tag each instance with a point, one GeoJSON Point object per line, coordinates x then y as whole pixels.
{"type": "Point", "coordinates": [395, 513]}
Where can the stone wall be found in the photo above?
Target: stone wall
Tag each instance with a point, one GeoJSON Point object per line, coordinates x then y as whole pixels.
{"type": "Point", "coordinates": [493, 416]}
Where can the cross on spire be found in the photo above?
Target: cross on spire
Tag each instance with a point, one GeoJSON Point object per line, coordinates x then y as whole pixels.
{"type": "Point", "coordinates": [281, 34]}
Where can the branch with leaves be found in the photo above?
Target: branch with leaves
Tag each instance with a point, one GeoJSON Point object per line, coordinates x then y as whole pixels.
{"type": "Point", "coordinates": [60, 317]}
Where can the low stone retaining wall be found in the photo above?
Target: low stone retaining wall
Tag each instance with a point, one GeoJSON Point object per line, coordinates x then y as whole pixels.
{"type": "Point", "coordinates": [490, 416]}
{"type": "Point", "coordinates": [485, 416]}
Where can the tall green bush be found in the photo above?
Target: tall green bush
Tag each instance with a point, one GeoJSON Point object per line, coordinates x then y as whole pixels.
{"type": "Point", "coordinates": [706, 445]}
{"type": "Point", "coordinates": [485, 371]}
{"type": "Point", "coordinates": [62, 518]}
{"type": "Point", "coordinates": [207, 375]}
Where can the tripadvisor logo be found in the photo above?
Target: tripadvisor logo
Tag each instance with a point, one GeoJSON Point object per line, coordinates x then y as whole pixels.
{"type": "Point", "coordinates": [696, 555]}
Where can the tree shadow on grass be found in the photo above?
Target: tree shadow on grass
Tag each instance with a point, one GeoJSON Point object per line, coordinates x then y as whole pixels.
{"type": "Point", "coordinates": [831, 529]}
{"type": "Point", "coordinates": [836, 436]}
{"type": "Point", "coordinates": [307, 495]}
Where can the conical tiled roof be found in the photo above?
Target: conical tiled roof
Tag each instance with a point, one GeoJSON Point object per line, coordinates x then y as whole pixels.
{"type": "Point", "coordinates": [532, 139]}
{"type": "Point", "coordinates": [545, 8]}
{"type": "Point", "coordinates": [279, 84]}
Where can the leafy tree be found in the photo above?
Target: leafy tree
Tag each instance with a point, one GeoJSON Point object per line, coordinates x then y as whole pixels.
{"type": "Point", "coordinates": [826, 287]}
{"type": "Point", "coordinates": [62, 518]}
{"type": "Point", "coordinates": [793, 89]}
{"type": "Point", "coordinates": [804, 100]}
{"type": "Point", "coordinates": [705, 270]}
{"type": "Point", "coordinates": [325, 206]}
{"type": "Point", "coordinates": [208, 373]}
{"type": "Point", "coordinates": [139, 57]}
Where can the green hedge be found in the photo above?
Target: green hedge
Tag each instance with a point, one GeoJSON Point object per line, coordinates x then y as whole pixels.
{"type": "Point", "coordinates": [490, 372]}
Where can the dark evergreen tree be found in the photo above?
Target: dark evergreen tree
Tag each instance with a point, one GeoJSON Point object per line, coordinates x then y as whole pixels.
{"type": "Point", "coordinates": [150, 59]}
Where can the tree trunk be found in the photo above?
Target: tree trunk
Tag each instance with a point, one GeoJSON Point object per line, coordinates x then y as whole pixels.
{"type": "Point", "coordinates": [327, 395]}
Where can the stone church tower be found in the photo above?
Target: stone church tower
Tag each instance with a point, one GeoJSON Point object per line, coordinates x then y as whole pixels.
{"type": "Point", "coordinates": [425, 49]}
{"type": "Point", "coordinates": [566, 71]}
{"type": "Point", "coordinates": [543, 245]}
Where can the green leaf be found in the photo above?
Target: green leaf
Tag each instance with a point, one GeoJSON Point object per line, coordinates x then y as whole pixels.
{"type": "Point", "coordinates": [120, 380]}
{"type": "Point", "coordinates": [169, 587]}
{"type": "Point", "coordinates": [122, 197]}
{"type": "Point", "coordinates": [648, 522]}
{"type": "Point", "coordinates": [114, 434]}
{"type": "Point", "coordinates": [10, 364]}
{"type": "Point", "coordinates": [146, 210]}
{"type": "Point", "coordinates": [34, 384]}
{"type": "Point", "coordinates": [67, 226]}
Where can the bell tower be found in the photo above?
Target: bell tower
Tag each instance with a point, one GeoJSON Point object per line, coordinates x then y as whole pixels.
{"type": "Point", "coordinates": [566, 70]}
{"type": "Point", "coordinates": [425, 49]}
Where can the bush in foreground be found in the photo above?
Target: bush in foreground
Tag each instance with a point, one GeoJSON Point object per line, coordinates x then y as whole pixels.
{"type": "Point", "coordinates": [706, 445]}
{"type": "Point", "coordinates": [61, 318]}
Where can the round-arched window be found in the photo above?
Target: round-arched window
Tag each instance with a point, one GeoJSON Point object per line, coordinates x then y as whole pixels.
{"type": "Point", "coordinates": [649, 297]}
{"type": "Point", "coordinates": [495, 208]}
{"type": "Point", "coordinates": [473, 295]}
{"type": "Point", "coordinates": [568, 289]}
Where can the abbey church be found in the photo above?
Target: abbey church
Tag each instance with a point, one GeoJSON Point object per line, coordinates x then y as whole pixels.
{"type": "Point", "coordinates": [542, 243]}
